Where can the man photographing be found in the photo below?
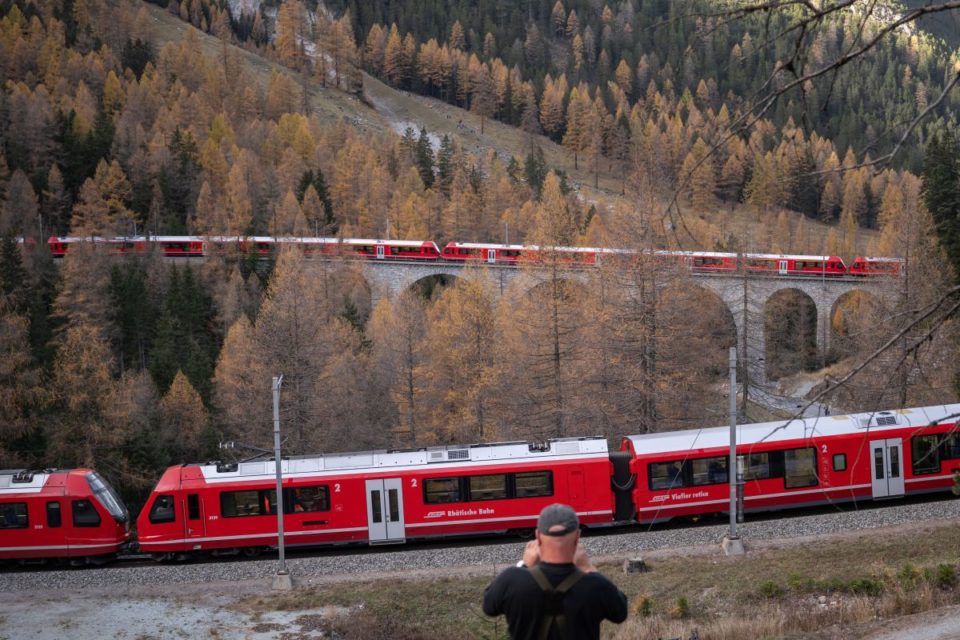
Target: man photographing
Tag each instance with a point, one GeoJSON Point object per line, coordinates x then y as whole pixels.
{"type": "Point", "coordinates": [555, 593]}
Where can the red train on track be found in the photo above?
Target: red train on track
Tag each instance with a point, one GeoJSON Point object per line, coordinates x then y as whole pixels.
{"type": "Point", "coordinates": [67, 514]}
{"type": "Point", "coordinates": [394, 496]}
{"type": "Point", "coordinates": [463, 252]}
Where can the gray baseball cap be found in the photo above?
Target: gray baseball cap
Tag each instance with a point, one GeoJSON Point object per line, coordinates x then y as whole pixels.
{"type": "Point", "coordinates": [557, 520]}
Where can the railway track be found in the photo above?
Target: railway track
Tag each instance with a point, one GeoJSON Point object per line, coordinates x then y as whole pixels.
{"type": "Point", "coordinates": [485, 554]}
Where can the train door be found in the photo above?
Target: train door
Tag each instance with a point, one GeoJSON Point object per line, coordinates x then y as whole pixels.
{"type": "Point", "coordinates": [783, 267]}
{"type": "Point", "coordinates": [381, 251]}
{"type": "Point", "coordinates": [887, 467]}
{"type": "Point", "coordinates": [491, 255]}
{"type": "Point", "coordinates": [575, 486]}
{"type": "Point", "coordinates": [385, 510]}
{"type": "Point", "coordinates": [194, 522]}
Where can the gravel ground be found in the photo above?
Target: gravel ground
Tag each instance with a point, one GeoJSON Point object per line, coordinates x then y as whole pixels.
{"type": "Point", "coordinates": [137, 602]}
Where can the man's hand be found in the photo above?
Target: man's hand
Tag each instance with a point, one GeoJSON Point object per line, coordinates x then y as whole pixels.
{"type": "Point", "coordinates": [531, 553]}
{"type": "Point", "coordinates": [582, 561]}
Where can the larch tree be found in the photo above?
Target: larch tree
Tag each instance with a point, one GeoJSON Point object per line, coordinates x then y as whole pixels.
{"type": "Point", "coordinates": [183, 420]}
{"type": "Point", "coordinates": [22, 390]}
{"type": "Point", "coordinates": [292, 336]}
{"type": "Point", "coordinates": [462, 366]}
{"type": "Point", "coordinates": [552, 106]}
{"type": "Point", "coordinates": [700, 177]}
{"type": "Point", "coordinates": [291, 18]}
{"type": "Point", "coordinates": [397, 330]}
{"type": "Point", "coordinates": [101, 209]}
{"type": "Point", "coordinates": [82, 380]}
{"type": "Point", "coordinates": [242, 387]}
{"type": "Point", "coordinates": [575, 133]}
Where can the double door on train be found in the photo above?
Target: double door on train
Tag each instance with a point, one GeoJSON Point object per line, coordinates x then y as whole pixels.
{"type": "Point", "coordinates": [385, 510]}
{"type": "Point", "coordinates": [886, 468]}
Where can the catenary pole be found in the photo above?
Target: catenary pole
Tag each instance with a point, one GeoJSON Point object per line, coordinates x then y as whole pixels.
{"type": "Point", "coordinates": [282, 580]}
{"type": "Point", "coordinates": [732, 462]}
{"type": "Point", "coordinates": [732, 545]}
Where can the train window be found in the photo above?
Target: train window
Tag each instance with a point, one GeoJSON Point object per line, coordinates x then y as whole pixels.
{"type": "Point", "coordinates": [441, 490]}
{"type": "Point", "coordinates": [162, 510]}
{"type": "Point", "coordinates": [14, 515]}
{"type": "Point", "coordinates": [53, 514]}
{"type": "Point", "coordinates": [709, 471]}
{"type": "Point", "coordinates": [839, 462]}
{"type": "Point", "coordinates": [376, 507]}
{"type": "Point", "coordinates": [665, 475]}
{"type": "Point", "coordinates": [492, 487]}
{"type": "Point", "coordinates": [238, 504]}
{"type": "Point", "coordinates": [800, 468]}
{"type": "Point", "coordinates": [533, 483]}
{"type": "Point", "coordinates": [307, 499]}
{"type": "Point", "coordinates": [85, 514]}
{"type": "Point", "coordinates": [925, 454]}
{"type": "Point", "coordinates": [756, 466]}
{"type": "Point", "coordinates": [951, 446]}
{"type": "Point", "coordinates": [193, 506]}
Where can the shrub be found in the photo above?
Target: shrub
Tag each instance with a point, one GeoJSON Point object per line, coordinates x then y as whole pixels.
{"type": "Point", "coordinates": [682, 610]}
{"type": "Point", "coordinates": [771, 589]}
{"type": "Point", "coordinates": [643, 607]}
{"type": "Point", "coordinates": [799, 582]}
{"type": "Point", "coordinates": [946, 576]}
{"type": "Point", "coordinates": [908, 577]}
{"type": "Point", "coordinates": [868, 586]}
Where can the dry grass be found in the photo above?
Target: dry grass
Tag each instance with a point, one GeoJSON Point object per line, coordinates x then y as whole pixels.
{"type": "Point", "coordinates": [827, 589]}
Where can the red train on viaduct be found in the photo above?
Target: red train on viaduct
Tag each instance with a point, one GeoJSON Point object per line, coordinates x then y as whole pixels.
{"type": "Point", "coordinates": [501, 254]}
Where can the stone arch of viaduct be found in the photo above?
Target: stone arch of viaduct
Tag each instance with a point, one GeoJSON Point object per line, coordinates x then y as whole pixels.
{"type": "Point", "coordinates": [746, 299]}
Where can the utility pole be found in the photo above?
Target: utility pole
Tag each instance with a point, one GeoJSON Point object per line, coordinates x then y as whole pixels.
{"type": "Point", "coordinates": [281, 581]}
{"type": "Point", "coordinates": [732, 545]}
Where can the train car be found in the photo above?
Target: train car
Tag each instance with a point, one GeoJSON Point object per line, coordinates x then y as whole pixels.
{"type": "Point", "coordinates": [794, 265]}
{"type": "Point", "coordinates": [375, 497]}
{"type": "Point", "coordinates": [515, 253]}
{"type": "Point", "coordinates": [805, 462]}
{"type": "Point", "coordinates": [868, 266]}
{"type": "Point", "coordinates": [418, 250]}
{"type": "Point", "coordinates": [70, 515]}
{"type": "Point", "coordinates": [178, 246]}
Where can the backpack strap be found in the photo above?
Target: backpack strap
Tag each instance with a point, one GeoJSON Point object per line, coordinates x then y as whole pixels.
{"type": "Point", "coordinates": [553, 613]}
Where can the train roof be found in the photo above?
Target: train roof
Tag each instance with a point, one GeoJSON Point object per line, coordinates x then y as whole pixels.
{"type": "Point", "coordinates": [14, 481]}
{"type": "Point", "coordinates": [498, 452]}
{"type": "Point", "coordinates": [344, 241]}
{"type": "Point", "coordinates": [878, 259]}
{"type": "Point", "coordinates": [519, 247]}
{"type": "Point", "coordinates": [713, 437]}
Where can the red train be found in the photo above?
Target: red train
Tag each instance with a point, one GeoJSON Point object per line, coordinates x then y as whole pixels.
{"type": "Point", "coordinates": [864, 266]}
{"type": "Point", "coordinates": [394, 496]}
{"type": "Point", "coordinates": [508, 254]}
{"type": "Point", "coordinates": [64, 514]}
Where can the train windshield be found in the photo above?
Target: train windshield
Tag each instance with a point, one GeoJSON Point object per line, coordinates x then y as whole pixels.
{"type": "Point", "coordinates": [105, 494]}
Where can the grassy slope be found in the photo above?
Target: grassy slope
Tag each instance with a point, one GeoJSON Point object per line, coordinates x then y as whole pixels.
{"type": "Point", "coordinates": [393, 106]}
{"type": "Point", "coordinates": [836, 587]}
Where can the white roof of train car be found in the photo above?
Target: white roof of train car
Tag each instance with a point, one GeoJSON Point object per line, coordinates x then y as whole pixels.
{"type": "Point", "coordinates": [480, 454]}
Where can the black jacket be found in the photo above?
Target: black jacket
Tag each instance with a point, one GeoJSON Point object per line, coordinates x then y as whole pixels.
{"type": "Point", "coordinates": [516, 594]}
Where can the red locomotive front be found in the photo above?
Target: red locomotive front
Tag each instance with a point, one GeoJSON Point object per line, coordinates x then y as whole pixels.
{"type": "Point", "coordinates": [53, 514]}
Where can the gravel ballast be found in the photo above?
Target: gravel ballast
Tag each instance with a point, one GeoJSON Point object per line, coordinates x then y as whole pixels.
{"type": "Point", "coordinates": [485, 556]}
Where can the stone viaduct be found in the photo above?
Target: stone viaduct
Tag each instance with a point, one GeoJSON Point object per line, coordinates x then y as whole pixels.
{"type": "Point", "coordinates": [745, 297]}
